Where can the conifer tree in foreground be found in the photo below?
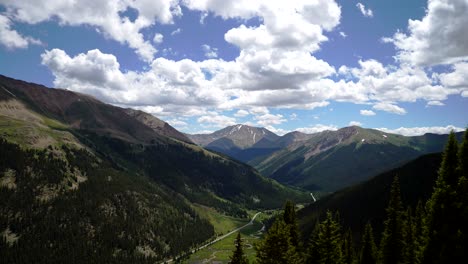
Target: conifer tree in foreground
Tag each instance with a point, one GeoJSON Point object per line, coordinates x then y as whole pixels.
{"type": "Point", "coordinates": [276, 247]}
{"type": "Point", "coordinates": [411, 249]}
{"type": "Point", "coordinates": [392, 245]}
{"type": "Point", "coordinates": [347, 248]}
{"type": "Point", "coordinates": [443, 226]}
{"type": "Point", "coordinates": [325, 247]}
{"type": "Point", "coordinates": [462, 194]}
{"type": "Point", "coordinates": [368, 254]}
{"type": "Point", "coordinates": [289, 217]}
{"type": "Point", "coordinates": [238, 256]}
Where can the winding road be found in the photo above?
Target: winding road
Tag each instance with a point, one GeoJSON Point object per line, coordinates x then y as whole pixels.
{"type": "Point", "coordinates": [221, 237]}
{"type": "Point", "coordinates": [311, 194]}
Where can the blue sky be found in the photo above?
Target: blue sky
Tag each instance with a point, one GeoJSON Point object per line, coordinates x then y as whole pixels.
{"type": "Point", "coordinates": [400, 66]}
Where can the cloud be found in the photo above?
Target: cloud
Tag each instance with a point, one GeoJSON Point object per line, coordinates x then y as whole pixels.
{"type": "Point", "coordinates": [106, 16]}
{"type": "Point", "coordinates": [355, 123]}
{"type": "Point", "coordinates": [158, 38]}
{"type": "Point", "coordinates": [241, 113]}
{"type": "Point", "coordinates": [343, 35]}
{"type": "Point", "coordinates": [213, 119]}
{"type": "Point", "coordinates": [175, 86]}
{"type": "Point", "coordinates": [390, 108]}
{"type": "Point", "coordinates": [269, 119]}
{"type": "Point", "coordinates": [177, 123]}
{"type": "Point", "coordinates": [367, 113]}
{"type": "Point", "coordinates": [440, 37]}
{"type": "Point", "coordinates": [11, 39]}
{"type": "Point", "coordinates": [277, 131]}
{"type": "Point", "coordinates": [416, 131]}
{"type": "Point", "coordinates": [457, 79]}
{"type": "Point", "coordinates": [210, 52]}
{"type": "Point", "coordinates": [175, 32]}
{"type": "Point", "coordinates": [374, 82]}
{"type": "Point", "coordinates": [317, 128]}
{"type": "Point", "coordinates": [293, 116]}
{"type": "Point", "coordinates": [365, 12]}
{"type": "Point", "coordinates": [434, 103]}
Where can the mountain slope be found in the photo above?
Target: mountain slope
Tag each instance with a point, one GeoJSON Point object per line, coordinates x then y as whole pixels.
{"type": "Point", "coordinates": [332, 160]}
{"type": "Point", "coordinates": [159, 126]}
{"type": "Point", "coordinates": [109, 182]}
{"type": "Point", "coordinates": [367, 201]}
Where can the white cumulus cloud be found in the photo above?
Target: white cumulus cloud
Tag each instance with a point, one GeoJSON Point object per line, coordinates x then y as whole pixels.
{"type": "Point", "coordinates": [440, 37]}
{"type": "Point", "coordinates": [317, 128]}
{"type": "Point", "coordinates": [367, 112]}
{"type": "Point", "coordinates": [10, 38]}
{"type": "Point", "coordinates": [417, 131]}
{"type": "Point", "coordinates": [365, 12]}
{"type": "Point", "coordinates": [355, 123]}
{"type": "Point", "coordinates": [106, 16]}
{"type": "Point", "coordinates": [391, 108]}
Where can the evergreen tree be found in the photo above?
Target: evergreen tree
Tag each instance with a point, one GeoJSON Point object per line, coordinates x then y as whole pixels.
{"type": "Point", "coordinates": [238, 256]}
{"type": "Point", "coordinates": [326, 246]}
{"type": "Point", "coordinates": [393, 244]}
{"type": "Point", "coordinates": [442, 221]}
{"type": "Point", "coordinates": [462, 197]}
{"type": "Point", "coordinates": [411, 249]}
{"type": "Point", "coordinates": [347, 248]}
{"type": "Point", "coordinates": [368, 254]}
{"type": "Point", "coordinates": [276, 247]}
{"type": "Point", "coordinates": [420, 228]}
{"type": "Point", "coordinates": [463, 156]}
{"type": "Point", "coordinates": [289, 217]}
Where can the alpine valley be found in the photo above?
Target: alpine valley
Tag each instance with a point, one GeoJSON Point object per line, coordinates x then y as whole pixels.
{"type": "Point", "coordinates": [91, 182]}
{"type": "Point", "coordinates": [84, 180]}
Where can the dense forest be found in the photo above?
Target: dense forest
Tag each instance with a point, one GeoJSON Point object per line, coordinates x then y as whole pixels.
{"type": "Point", "coordinates": [433, 231]}
{"type": "Point", "coordinates": [65, 205]}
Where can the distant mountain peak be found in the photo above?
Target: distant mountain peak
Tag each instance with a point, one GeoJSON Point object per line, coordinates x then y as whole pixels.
{"type": "Point", "coordinates": [242, 136]}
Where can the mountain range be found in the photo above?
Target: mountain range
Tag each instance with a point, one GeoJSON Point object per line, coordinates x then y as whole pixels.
{"type": "Point", "coordinates": [321, 162]}
{"type": "Point", "coordinates": [121, 182]}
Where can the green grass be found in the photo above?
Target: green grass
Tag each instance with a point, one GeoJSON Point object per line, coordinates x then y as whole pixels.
{"type": "Point", "coordinates": [27, 134]}
{"type": "Point", "coordinates": [222, 250]}
{"type": "Point", "coordinates": [222, 223]}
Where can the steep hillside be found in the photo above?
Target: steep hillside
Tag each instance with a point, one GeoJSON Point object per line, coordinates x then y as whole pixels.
{"type": "Point", "coordinates": [74, 168]}
{"type": "Point", "coordinates": [368, 200]}
{"type": "Point", "coordinates": [126, 141]}
{"type": "Point", "coordinates": [331, 160]}
{"type": "Point", "coordinates": [159, 126]}
{"type": "Point", "coordinates": [61, 204]}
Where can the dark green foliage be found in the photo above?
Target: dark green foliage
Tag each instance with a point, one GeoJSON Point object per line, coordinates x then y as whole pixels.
{"type": "Point", "coordinates": [463, 156]}
{"type": "Point", "coordinates": [196, 175]}
{"type": "Point", "coordinates": [392, 245]}
{"type": "Point", "coordinates": [276, 247]}
{"type": "Point", "coordinates": [420, 229]}
{"type": "Point", "coordinates": [238, 256]}
{"type": "Point", "coordinates": [349, 256]}
{"type": "Point", "coordinates": [368, 253]}
{"type": "Point", "coordinates": [289, 218]}
{"type": "Point", "coordinates": [411, 252]}
{"type": "Point", "coordinates": [367, 201]}
{"type": "Point", "coordinates": [325, 246]}
{"type": "Point", "coordinates": [462, 193]}
{"type": "Point", "coordinates": [448, 169]}
{"type": "Point", "coordinates": [446, 231]}
{"type": "Point", "coordinates": [110, 218]}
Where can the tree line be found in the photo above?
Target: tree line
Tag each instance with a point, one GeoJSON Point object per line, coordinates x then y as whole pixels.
{"type": "Point", "coordinates": [432, 232]}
